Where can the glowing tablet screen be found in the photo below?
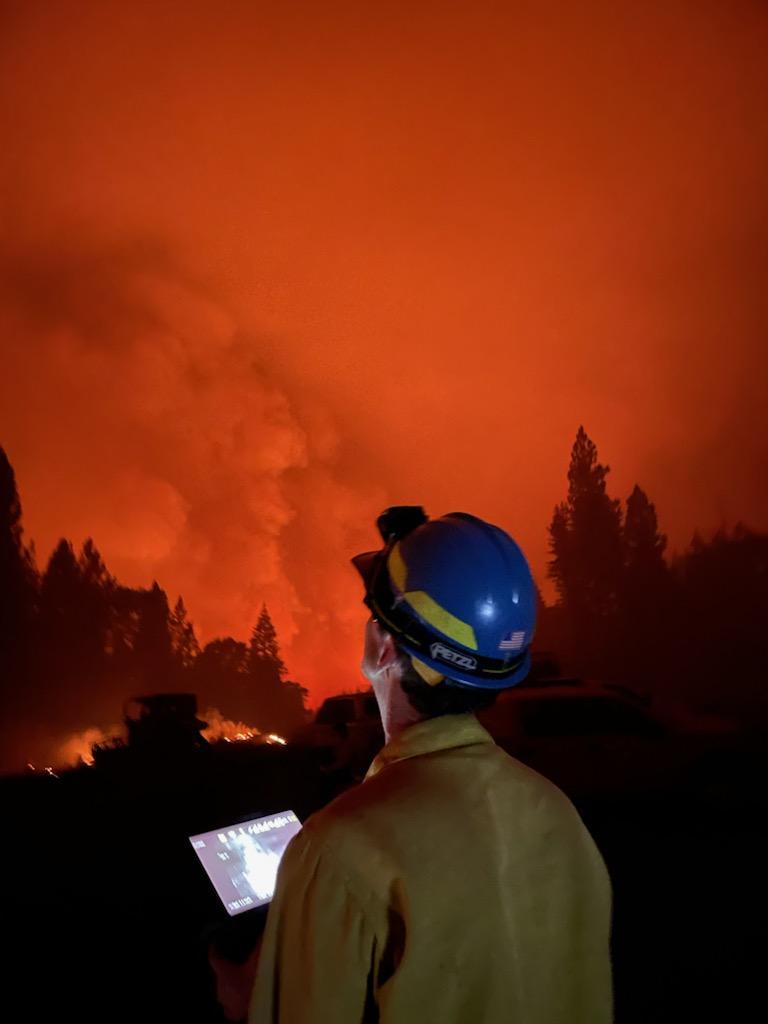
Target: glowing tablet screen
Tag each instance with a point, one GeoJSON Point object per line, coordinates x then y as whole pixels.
{"type": "Point", "coordinates": [242, 860]}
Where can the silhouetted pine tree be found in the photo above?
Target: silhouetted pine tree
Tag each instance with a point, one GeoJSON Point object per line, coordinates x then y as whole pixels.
{"type": "Point", "coordinates": [645, 630]}
{"type": "Point", "coordinates": [264, 651]}
{"type": "Point", "coordinates": [19, 584]}
{"type": "Point", "coordinates": [586, 549]}
{"type": "Point", "coordinates": [279, 706]}
{"type": "Point", "coordinates": [183, 640]}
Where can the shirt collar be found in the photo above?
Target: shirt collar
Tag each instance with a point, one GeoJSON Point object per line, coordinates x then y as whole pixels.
{"type": "Point", "coordinates": [429, 736]}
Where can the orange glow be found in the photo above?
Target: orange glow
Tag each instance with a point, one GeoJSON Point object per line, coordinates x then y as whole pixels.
{"type": "Point", "coordinates": [78, 748]}
{"type": "Point", "coordinates": [266, 271]}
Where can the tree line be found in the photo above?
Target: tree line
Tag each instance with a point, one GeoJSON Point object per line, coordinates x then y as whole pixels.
{"type": "Point", "coordinates": [691, 625]}
{"type": "Point", "coordinates": [75, 642]}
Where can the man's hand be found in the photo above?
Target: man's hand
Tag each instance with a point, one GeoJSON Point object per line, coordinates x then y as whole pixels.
{"type": "Point", "coordinates": [234, 983]}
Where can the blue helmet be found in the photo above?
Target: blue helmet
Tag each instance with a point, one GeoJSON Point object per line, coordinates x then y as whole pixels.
{"type": "Point", "coordinates": [456, 593]}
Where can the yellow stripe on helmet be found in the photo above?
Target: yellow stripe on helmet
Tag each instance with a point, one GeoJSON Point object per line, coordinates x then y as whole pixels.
{"type": "Point", "coordinates": [426, 607]}
{"type": "Point", "coordinates": [398, 571]}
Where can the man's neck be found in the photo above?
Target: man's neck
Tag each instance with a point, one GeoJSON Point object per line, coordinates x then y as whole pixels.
{"type": "Point", "coordinates": [397, 713]}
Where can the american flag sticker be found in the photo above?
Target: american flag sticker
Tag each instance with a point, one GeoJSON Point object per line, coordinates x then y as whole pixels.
{"type": "Point", "coordinates": [513, 642]}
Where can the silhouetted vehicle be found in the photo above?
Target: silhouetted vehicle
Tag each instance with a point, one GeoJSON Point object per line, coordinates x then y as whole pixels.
{"type": "Point", "coordinates": [163, 719]}
{"type": "Point", "coordinates": [597, 740]}
{"type": "Point", "coordinates": [347, 725]}
{"type": "Point", "coordinates": [161, 729]}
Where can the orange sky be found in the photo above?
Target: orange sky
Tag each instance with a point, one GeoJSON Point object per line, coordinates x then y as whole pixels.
{"type": "Point", "coordinates": [267, 269]}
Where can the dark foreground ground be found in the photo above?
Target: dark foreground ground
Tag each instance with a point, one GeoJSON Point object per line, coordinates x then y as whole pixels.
{"type": "Point", "coordinates": [107, 914]}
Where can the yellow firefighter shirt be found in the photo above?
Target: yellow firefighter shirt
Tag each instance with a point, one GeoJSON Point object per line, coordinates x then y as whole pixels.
{"type": "Point", "coordinates": [454, 885]}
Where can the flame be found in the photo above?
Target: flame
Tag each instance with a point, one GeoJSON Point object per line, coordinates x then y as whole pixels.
{"type": "Point", "coordinates": [78, 748]}
{"type": "Point", "coordinates": [220, 728]}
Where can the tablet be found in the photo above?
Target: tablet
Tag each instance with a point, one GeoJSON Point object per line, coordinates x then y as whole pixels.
{"type": "Point", "coordinates": [242, 860]}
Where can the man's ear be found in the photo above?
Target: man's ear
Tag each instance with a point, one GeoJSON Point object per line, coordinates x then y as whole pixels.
{"type": "Point", "coordinates": [388, 654]}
